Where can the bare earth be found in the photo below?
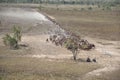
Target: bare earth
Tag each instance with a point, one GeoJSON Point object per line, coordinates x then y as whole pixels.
{"type": "Point", "coordinates": [37, 28]}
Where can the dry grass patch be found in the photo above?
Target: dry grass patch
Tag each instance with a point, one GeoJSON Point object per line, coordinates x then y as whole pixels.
{"type": "Point", "coordinates": [4, 51]}
{"type": "Point", "coordinates": [115, 75]}
{"type": "Point", "coordinates": [33, 69]}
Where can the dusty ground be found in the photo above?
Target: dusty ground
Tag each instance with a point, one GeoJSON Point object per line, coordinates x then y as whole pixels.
{"type": "Point", "coordinates": [35, 32]}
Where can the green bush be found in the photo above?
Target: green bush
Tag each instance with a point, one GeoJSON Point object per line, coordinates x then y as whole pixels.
{"type": "Point", "coordinates": [17, 33]}
{"type": "Point", "coordinates": [12, 40]}
{"type": "Point", "coordinates": [6, 40]}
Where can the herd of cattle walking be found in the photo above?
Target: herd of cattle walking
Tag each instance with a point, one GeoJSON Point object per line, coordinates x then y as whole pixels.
{"type": "Point", "coordinates": [61, 40]}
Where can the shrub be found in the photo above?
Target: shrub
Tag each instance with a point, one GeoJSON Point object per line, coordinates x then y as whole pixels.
{"type": "Point", "coordinates": [6, 39]}
{"type": "Point", "coordinates": [12, 40]}
{"type": "Point", "coordinates": [17, 33]}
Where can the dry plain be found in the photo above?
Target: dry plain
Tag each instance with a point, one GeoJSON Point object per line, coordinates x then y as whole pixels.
{"type": "Point", "coordinates": [45, 61]}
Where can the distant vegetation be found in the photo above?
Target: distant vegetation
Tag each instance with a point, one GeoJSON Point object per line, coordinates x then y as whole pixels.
{"type": "Point", "coordinates": [81, 2]}
{"type": "Point", "coordinates": [11, 41]}
{"type": "Point", "coordinates": [103, 4]}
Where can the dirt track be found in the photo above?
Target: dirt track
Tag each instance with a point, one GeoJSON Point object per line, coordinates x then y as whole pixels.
{"type": "Point", "coordinates": [36, 28]}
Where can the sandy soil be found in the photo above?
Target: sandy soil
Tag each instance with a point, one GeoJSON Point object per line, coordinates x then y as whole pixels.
{"type": "Point", "coordinates": [106, 52]}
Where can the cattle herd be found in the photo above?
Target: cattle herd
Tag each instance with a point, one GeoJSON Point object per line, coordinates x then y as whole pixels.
{"type": "Point", "coordinates": [72, 42]}
{"type": "Point", "coordinates": [63, 40]}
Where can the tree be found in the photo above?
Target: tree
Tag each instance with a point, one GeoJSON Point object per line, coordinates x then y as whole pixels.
{"type": "Point", "coordinates": [73, 47]}
{"type": "Point", "coordinates": [74, 50]}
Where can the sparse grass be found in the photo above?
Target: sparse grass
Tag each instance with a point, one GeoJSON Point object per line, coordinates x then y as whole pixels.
{"type": "Point", "coordinates": [33, 69]}
{"type": "Point", "coordinates": [5, 51]}
{"type": "Point", "coordinates": [115, 75]}
{"type": "Point", "coordinates": [13, 66]}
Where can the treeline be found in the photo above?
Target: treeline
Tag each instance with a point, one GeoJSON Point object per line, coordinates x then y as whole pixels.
{"type": "Point", "coordinates": [82, 2]}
